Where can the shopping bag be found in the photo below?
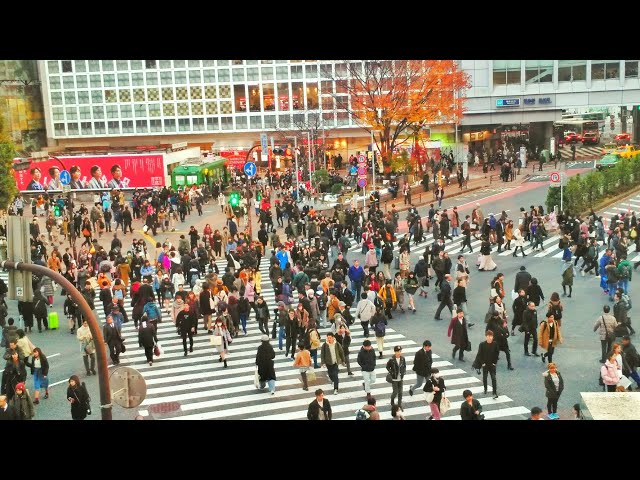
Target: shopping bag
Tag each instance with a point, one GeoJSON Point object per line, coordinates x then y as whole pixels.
{"type": "Point", "coordinates": [311, 375]}
{"type": "Point", "coordinates": [216, 340]}
{"type": "Point", "coordinates": [256, 379]}
{"type": "Point", "coordinates": [445, 405]}
{"type": "Point", "coordinates": [157, 351]}
{"type": "Point", "coordinates": [428, 396]}
{"type": "Point", "coordinates": [514, 294]}
{"type": "Point", "coordinates": [624, 382]}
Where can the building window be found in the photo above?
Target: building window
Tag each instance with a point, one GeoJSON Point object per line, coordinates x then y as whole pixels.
{"type": "Point", "coordinates": [266, 62]}
{"type": "Point", "coordinates": [327, 119]}
{"type": "Point", "coordinates": [58, 128]}
{"type": "Point", "coordinates": [83, 96]}
{"type": "Point", "coordinates": [631, 69]}
{"type": "Point", "coordinates": [94, 65]}
{"type": "Point", "coordinates": [72, 129]}
{"type": "Point", "coordinates": [283, 97]}
{"type": "Point", "coordinates": [209, 76]}
{"type": "Point", "coordinates": [70, 98]}
{"type": "Point", "coordinates": [123, 80]}
{"type": "Point", "coordinates": [140, 110]}
{"type": "Point", "coordinates": [80, 65]}
{"type": "Point", "coordinates": [282, 73]}
{"type": "Point", "coordinates": [85, 113]}
{"type": "Point", "coordinates": [113, 127]}
{"type": "Point", "coordinates": [238, 75]}
{"type": "Point", "coordinates": [269, 121]}
{"type": "Point", "coordinates": [72, 113]}
{"type": "Point", "coordinates": [252, 74]}
{"type": "Point", "coordinates": [267, 73]}
{"type": "Point", "coordinates": [169, 125]}
{"type": "Point", "coordinates": [137, 80]}
{"type": "Point", "coordinates": [56, 98]}
{"type": "Point", "coordinates": [181, 77]}
{"type": "Point", "coordinates": [109, 80]}
{"type": "Point", "coordinates": [112, 111]}
{"type": "Point", "coordinates": [166, 78]}
{"type": "Point", "coordinates": [237, 62]}
{"type": "Point", "coordinates": [85, 128]}
{"type": "Point", "coordinates": [178, 64]}
{"type": "Point", "coordinates": [54, 66]}
{"type": "Point", "coordinates": [82, 81]}
{"type": "Point", "coordinates": [311, 71]}
{"type": "Point", "coordinates": [194, 63]}
{"type": "Point", "coordinates": [58, 114]}
{"type": "Point", "coordinates": [284, 121]}
{"type": "Point", "coordinates": [184, 125]}
{"type": "Point", "coordinates": [150, 64]}
{"type": "Point", "coordinates": [572, 70]}
{"type": "Point", "coordinates": [127, 126]}
{"type": "Point", "coordinates": [152, 78]}
{"type": "Point", "coordinates": [297, 96]}
{"type": "Point", "coordinates": [212, 123]}
{"type": "Point", "coordinates": [601, 69]}
{"type": "Point", "coordinates": [154, 110]}
{"type": "Point", "coordinates": [343, 118]}
{"type": "Point", "coordinates": [155, 125]}
{"type": "Point", "coordinates": [68, 83]}
{"type": "Point", "coordinates": [110, 96]}
{"type": "Point", "coordinates": [223, 63]}
{"type": "Point", "coordinates": [226, 123]}
{"type": "Point", "coordinates": [538, 71]}
{"type": "Point", "coordinates": [98, 127]}
{"type": "Point", "coordinates": [326, 70]}
{"type": "Point", "coordinates": [198, 124]}
{"type": "Point", "coordinates": [141, 126]}
{"type": "Point", "coordinates": [54, 83]}
{"type": "Point", "coordinates": [327, 87]}
{"type": "Point", "coordinates": [107, 65]}
{"type": "Point", "coordinates": [327, 103]}
{"type": "Point", "coordinates": [168, 109]}
{"type": "Point", "coordinates": [136, 64]}
{"type": "Point", "coordinates": [254, 98]}
{"type": "Point", "coordinates": [506, 72]}
{"type": "Point", "coordinates": [165, 64]}
{"type": "Point", "coordinates": [241, 123]}
{"type": "Point", "coordinates": [195, 76]}
{"type": "Point", "coordinates": [98, 112]}
{"type": "Point", "coordinates": [125, 112]}
{"type": "Point", "coordinates": [208, 63]}
{"type": "Point", "coordinates": [255, 122]}
{"type": "Point", "coordinates": [122, 65]}
{"type": "Point", "coordinates": [95, 81]}
{"type": "Point", "coordinates": [252, 62]}
{"type": "Point", "coordinates": [223, 75]}
{"type": "Point", "coordinates": [268, 98]}
{"type": "Point", "coordinates": [96, 96]}
{"type": "Point", "coordinates": [296, 71]}
{"type": "Point", "coordinates": [240, 98]}
{"type": "Point", "coordinates": [67, 66]}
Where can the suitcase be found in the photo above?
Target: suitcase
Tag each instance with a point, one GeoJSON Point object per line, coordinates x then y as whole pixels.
{"type": "Point", "coordinates": [53, 320]}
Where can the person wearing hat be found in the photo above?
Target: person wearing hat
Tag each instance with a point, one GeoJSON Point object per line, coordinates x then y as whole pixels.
{"type": "Point", "coordinates": [22, 403]}
{"type": "Point", "coordinates": [264, 363]}
{"type": "Point", "coordinates": [396, 369]}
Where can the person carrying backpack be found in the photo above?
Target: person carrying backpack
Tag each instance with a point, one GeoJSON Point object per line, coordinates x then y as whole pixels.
{"type": "Point", "coordinates": [152, 312]}
{"type": "Point", "coordinates": [379, 324]}
{"type": "Point", "coordinates": [368, 411]}
{"type": "Point", "coordinates": [624, 274]}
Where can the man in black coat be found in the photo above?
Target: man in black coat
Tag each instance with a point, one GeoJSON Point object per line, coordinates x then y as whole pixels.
{"type": "Point", "coordinates": [470, 409]}
{"type": "Point", "coordinates": [422, 365]}
{"type": "Point", "coordinates": [320, 408]}
{"type": "Point", "coordinates": [530, 327]}
{"type": "Point", "coordinates": [186, 323]}
{"type": "Point", "coordinates": [523, 278]}
{"type": "Point", "coordinates": [519, 306]}
{"type": "Point", "coordinates": [487, 358]}
{"type": "Point", "coordinates": [341, 264]}
{"type": "Point", "coordinates": [113, 338]}
{"type": "Point", "coordinates": [445, 297]}
{"type": "Point", "coordinates": [7, 412]}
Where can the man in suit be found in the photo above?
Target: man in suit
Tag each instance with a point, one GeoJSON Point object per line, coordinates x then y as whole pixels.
{"type": "Point", "coordinates": [523, 278]}
{"type": "Point", "coordinates": [7, 412]}
{"type": "Point", "coordinates": [113, 338]}
{"type": "Point", "coordinates": [320, 408]}
{"type": "Point", "coordinates": [487, 359]}
{"type": "Point", "coordinates": [422, 365]}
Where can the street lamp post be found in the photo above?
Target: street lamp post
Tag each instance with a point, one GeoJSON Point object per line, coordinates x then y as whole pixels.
{"type": "Point", "coordinates": [295, 152]}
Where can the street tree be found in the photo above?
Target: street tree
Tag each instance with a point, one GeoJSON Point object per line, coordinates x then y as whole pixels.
{"type": "Point", "coordinates": [397, 98]}
{"type": "Point", "coordinates": [8, 188]}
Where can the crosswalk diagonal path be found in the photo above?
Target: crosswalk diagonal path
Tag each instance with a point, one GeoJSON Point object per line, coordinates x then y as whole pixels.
{"type": "Point", "coordinates": [199, 387]}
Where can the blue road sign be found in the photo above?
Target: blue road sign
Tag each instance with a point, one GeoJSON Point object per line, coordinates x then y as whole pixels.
{"type": "Point", "coordinates": [362, 182]}
{"type": "Point", "coordinates": [65, 177]}
{"type": "Point", "coordinates": [250, 169]}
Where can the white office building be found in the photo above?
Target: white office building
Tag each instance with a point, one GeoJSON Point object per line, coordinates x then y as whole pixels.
{"type": "Point", "coordinates": [228, 103]}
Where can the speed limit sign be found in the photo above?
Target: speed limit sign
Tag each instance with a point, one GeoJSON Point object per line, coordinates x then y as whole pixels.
{"type": "Point", "coordinates": [554, 177]}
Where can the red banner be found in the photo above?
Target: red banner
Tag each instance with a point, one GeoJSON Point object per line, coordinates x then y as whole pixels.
{"type": "Point", "coordinates": [235, 158]}
{"type": "Point", "coordinates": [100, 171]}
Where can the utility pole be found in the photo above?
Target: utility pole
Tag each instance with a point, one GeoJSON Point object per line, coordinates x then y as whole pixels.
{"type": "Point", "coordinates": [309, 148]}
{"type": "Point", "coordinates": [373, 161]}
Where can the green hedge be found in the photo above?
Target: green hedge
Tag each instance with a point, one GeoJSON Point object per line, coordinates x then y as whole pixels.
{"type": "Point", "coordinates": [585, 191]}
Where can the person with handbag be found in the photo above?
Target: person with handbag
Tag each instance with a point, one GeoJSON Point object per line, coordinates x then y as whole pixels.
{"type": "Point", "coordinates": [79, 399]}
{"type": "Point", "coordinates": [554, 385]}
{"type": "Point", "coordinates": [87, 347]}
{"type": "Point", "coordinates": [221, 339]}
{"type": "Point", "coordinates": [303, 362]}
{"type": "Point", "coordinates": [434, 389]}
{"type": "Point", "coordinates": [39, 366]}
{"type": "Point", "coordinates": [605, 326]}
{"type": "Point", "coordinates": [396, 368]}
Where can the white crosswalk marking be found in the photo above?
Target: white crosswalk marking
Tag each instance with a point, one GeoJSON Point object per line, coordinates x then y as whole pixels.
{"type": "Point", "coordinates": [205, 390]}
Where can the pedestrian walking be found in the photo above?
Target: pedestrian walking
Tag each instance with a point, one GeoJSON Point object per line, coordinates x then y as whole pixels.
{"type": "Point", "coordinates": [458, 331]}
{"type": "Point", "coordinates": [221, 339]}
{"type": "Point", "coordinates": [630, 360]}
{"type": "Point", "coordinates": [410, 286]}
{"type": "Point", "coordinates": [549, 336]}
{"type": "Point", "coordinates": [470, 409]}
{"type": "Point", "coordinates": [396, 369]}
{"type": "Point", "coordinates": [147, 338]}
{"type": "Point", "coordinates": [487, 359]}
{"type": "Point", "coordinates": [113, 338]}
{"type": "Point", "coordinates": [22, 403]}
{"type": "Point", "coordinates": [379, 324]}
{"type": "Point", "coordinates": [367, 361]}
{"type": "Point", "coordinates": [87, 347]}
{"type": "Point", "coordinates": [434, 392]}
{"type": "Point", "coordinates": [486, 262]}
{"type": "Point", "coordinates": [265, 365]}
{"type": "Point", "coordinates": [186, 323]}
{"type": "Point", "coordinates": [332, 356]}
{"type": "Point", "coordinates": [554, 385]}
{"type": "Point", "coordinates": [499, 327]}
{"type": "Point", "coordinates": [568, 272]}
{"type": "Point", "coordinates": [444, 295]}
{"type": "Point", "coordinates": [518, 241]}
{"type": "Point", "coordinates": [319, 408]}
{"type": "Point", "coordinates": [530, 328]}
{"type": "Point", "coordinates": [422, 362]}
{"type": "Point", "coordinates": [343, 337]}
{"type": "Point", "coordinates": [39, 366]}
{"type": "Point", "coordinates": [303, 362]}
{"type": "Point", "coordinates": [609, 373]}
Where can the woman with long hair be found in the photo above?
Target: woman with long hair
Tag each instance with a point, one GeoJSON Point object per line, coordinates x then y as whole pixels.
{"type": "Point", "coordinates": [78, 397]}
{"type": "Point", "coordinates": [486, 262]}
{"type": "Point", "coordinates": [40, 370]}
{"type": "Point", "coordinates": [222, 344]}
{"type": "Point", "coordinates": [554, 385]}
{"type": "Point", "coordinates": [435, 385]}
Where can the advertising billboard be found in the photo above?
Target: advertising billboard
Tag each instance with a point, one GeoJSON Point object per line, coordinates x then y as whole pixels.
{"type": "Point", "coordinates": [98, 171]}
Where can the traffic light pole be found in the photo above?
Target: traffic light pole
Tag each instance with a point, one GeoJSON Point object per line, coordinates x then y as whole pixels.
{"type": "Point", "coordinates": [96, 332]}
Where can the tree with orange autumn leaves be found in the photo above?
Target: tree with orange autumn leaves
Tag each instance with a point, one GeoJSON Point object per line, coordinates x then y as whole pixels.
{"type": "Point", "coordinates": [396, 98]}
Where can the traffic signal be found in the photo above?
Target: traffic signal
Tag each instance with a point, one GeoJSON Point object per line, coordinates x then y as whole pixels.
{"type": "Point", "coordinates": [234, 199]}
{"type": "Point", "coordinates": [56, 210]}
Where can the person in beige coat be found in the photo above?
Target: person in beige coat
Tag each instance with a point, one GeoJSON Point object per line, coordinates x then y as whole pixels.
{"type": "Point", "coordinates": [549, 336]}
{"type": "Point", "coordinates": [605, 326]}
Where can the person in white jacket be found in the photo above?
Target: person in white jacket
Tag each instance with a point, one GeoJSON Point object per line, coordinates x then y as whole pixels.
{"type": "Point", "coordinates": [364, 311]}
{"type": "Point", "coordinates": [519, 242]}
